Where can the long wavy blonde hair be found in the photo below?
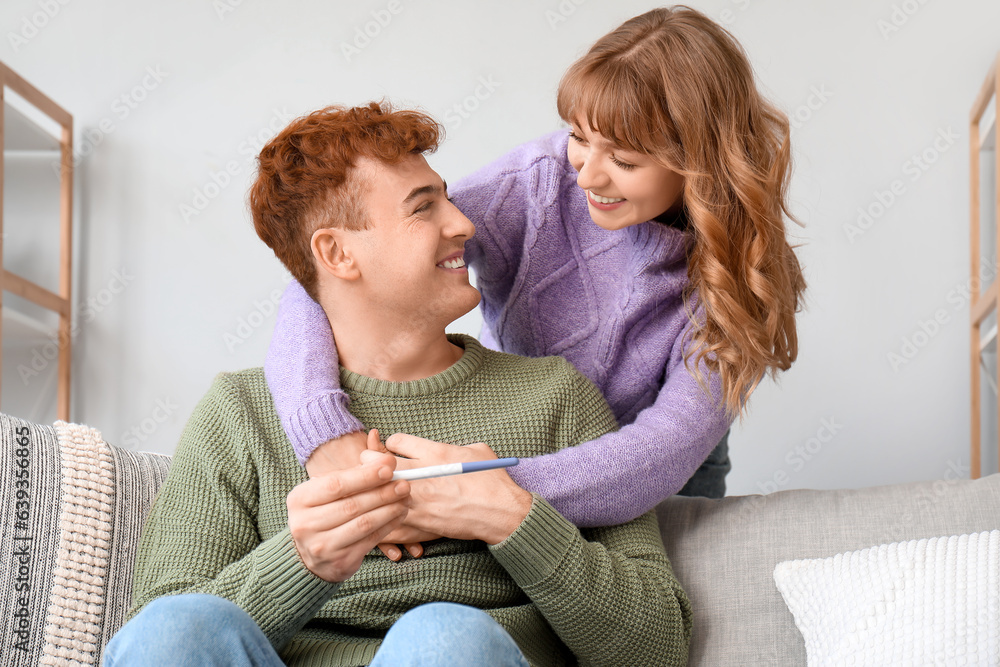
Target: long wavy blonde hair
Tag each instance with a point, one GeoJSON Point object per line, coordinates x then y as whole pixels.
{"type": "Point", "coordinates": [675, 85]}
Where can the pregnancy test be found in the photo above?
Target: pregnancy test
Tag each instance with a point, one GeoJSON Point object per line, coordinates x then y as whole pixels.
{"type": "Point", "coordinates": [453, 469]}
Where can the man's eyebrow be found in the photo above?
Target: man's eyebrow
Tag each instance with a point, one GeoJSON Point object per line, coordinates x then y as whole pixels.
{"type": "Point", "coordinates": [424, 190]}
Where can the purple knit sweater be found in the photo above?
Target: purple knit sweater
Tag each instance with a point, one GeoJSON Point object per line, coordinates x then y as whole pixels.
{"type": "Point", "coordinates": [553, 283]}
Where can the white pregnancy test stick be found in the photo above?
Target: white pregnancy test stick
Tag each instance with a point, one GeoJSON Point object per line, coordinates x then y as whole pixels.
{"type": "Point", "coordinates": [453, 469]}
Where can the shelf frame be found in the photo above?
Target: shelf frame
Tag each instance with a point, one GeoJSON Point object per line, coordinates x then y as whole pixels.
{"type": "Point", "coordinates": [982, 305]}
{"type": "Point", "coordinates": [61, 303]}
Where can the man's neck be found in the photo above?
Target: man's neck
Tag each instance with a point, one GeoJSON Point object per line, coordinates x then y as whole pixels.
{"type": "Point", "coordinates": [393, 353]}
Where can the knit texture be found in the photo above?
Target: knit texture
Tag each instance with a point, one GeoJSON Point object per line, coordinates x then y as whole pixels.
{"type": "Point", "coordinates": [603, 596]}
{"type": "Point", "coordinates": [553, 283]}
{"type": "Point", "coordinates": [76, 605]}
{"type": "Point", "coordinates": [73, 506]}
{"type": "Point", "coordinates": [922, 602]}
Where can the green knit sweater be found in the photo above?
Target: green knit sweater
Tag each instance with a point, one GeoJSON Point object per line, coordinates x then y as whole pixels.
{"type": "Point", "coordinates": [600, 596]}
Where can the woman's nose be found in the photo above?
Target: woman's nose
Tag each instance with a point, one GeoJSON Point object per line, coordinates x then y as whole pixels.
{"type": "Point", "coordinates": [590, 175]}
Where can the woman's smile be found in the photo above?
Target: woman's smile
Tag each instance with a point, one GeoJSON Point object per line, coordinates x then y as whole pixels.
{"type": "Point", "coordinates": [604, 203]}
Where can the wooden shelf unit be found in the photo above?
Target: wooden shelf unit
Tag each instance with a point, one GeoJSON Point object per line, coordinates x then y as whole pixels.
{"type": "Point", "coordinates": [26, 137]}
{"type": "Point", "coordinates": [983, 137]}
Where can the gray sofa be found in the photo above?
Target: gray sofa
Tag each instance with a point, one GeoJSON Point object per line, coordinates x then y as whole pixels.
{"type": "Point", "coordinates": [73, 507]}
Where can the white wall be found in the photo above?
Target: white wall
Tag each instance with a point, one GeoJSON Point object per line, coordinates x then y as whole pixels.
{"type": "Point", "coordinates": [228, 76]}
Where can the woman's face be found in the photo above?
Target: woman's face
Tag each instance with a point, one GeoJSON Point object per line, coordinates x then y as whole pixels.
{"type": "Point", "coordinates": [623, 187]}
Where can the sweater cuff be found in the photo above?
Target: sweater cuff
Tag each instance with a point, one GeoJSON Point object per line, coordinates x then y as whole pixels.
{"type": "Point", "coordinates": [322, 418]}
{"type": "Point", "coordinates": [292, 594]}
{"type": "Point", "coordinates": [538, 546]}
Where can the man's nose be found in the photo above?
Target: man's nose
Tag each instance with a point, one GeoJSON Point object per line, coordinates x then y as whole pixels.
{"type": "Point", "coordinates": [459, 225]}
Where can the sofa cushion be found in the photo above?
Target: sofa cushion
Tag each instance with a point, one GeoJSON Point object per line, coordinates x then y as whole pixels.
{"type": "Point", "coordinates": [72, 510]}
{"type": "Point", "coordinates": [921, 602]}
{"type": "Point", "coordinates": [724, 552]}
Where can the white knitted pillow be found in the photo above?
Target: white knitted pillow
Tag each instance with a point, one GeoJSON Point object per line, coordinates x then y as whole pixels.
{"type": "Point", "coordinates": [924, 602]}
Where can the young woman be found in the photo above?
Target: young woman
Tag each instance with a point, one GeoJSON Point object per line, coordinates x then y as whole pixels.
{"type": "Point", "coordinates": [647, 246]}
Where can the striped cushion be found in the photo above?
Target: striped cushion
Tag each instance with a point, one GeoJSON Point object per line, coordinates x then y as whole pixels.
{"type": "Point", "coordinates": [72, 509]}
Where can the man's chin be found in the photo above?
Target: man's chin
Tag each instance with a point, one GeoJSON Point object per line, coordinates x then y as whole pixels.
{"type": "Point", "coordinates": [470, 304]}
{"type": "Point", "coordinates": [451, 306]}
{"type": "Point", "coordinates": [475, 302]}
{"type": "Point", "coordinates": [467, 305]}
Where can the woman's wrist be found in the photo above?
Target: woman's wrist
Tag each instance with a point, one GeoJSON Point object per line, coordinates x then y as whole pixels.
{"type": "Point", "coordinates": [337, 454]}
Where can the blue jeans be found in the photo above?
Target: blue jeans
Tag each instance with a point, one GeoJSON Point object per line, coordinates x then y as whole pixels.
{"type": "Point", "coordinates": [197, 630]}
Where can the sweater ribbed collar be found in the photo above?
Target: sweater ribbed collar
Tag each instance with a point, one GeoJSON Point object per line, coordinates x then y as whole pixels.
{"type": "Point", "coordinates": [659, 246]}
{"type": "Point", "coordinates": [470, 362]}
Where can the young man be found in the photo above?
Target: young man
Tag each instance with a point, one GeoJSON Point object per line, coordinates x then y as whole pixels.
{"type": "Point", "coordinates": [244, 558]}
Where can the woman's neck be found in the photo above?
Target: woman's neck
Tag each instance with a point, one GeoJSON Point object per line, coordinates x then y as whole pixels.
{"type": "Point", "coordinates": [673, 217]}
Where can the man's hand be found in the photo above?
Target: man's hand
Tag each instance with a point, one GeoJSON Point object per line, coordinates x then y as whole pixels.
{"type": "Point", "coordinates": [337, 518]}
{"type": "Point", "coordinates": [486, 505]}
{"type": "Point", "coordinates": [404, 536]}
{"type": "Point", "coordinates": [345, 452]}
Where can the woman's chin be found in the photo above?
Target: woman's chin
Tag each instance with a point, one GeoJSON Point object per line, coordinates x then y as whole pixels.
{"type": "Point", "coordinates": [611, 222]}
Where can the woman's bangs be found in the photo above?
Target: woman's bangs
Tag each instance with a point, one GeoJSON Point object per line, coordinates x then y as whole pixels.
{"type": "Point", "coordinates": [613, 104]}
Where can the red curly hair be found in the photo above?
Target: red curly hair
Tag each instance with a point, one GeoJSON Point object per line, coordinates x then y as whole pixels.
{"type": "Point", "coordinates": [305, 175]}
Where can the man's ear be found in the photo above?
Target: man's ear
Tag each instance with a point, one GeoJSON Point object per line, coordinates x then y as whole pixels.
{"type": "Point", "coordinates": [334, 253]}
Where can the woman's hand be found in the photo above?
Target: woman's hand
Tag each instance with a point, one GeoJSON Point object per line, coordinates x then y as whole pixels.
{"type": "Point", "coordinates": [485, 505]}
{"type": "Point", "coordinates": [337, 454]}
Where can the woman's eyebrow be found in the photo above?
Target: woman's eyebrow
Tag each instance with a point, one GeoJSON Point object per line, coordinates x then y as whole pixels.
{"type": "Point", "coordinates": [604, 142]}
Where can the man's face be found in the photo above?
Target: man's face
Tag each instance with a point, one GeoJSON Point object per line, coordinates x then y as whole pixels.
{"type": "Point", "coordinates": [411, 257]}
